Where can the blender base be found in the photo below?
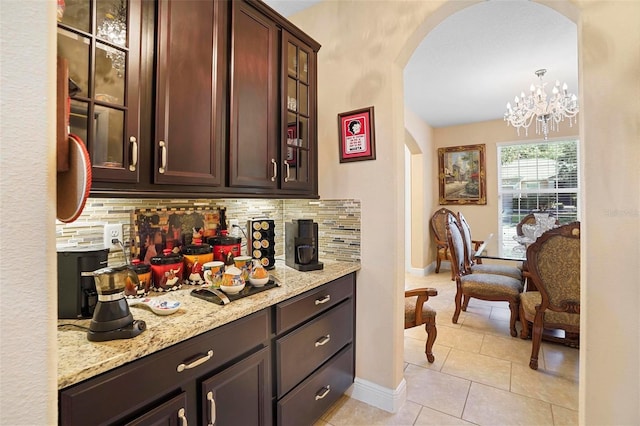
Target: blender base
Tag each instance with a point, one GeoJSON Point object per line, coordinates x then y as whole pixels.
{"type": "Point", "coordinates": [127, 332]}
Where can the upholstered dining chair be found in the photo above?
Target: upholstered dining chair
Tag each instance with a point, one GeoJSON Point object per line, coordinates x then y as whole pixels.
{"type": "Point", "coordinates": [480, 286]}
{"type": "Point", "coordinates": [417, 312]}
{"type": "Point", "coordinates": [439, 229]}
{"type": "Point", "coordinates": [554, 267]}
{"type": "Point", "coordinates": [471, 246]}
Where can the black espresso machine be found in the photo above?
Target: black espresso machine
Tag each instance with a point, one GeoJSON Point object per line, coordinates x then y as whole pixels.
{"type": "Point", "coordinates": [301, 245]}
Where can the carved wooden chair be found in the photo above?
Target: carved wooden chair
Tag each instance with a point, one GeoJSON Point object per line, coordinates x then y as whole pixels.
{"type": "Point", "coordinates": [479, 286]}
{"type": "Point", "coordinates": [417, 312]}
{"type": "Point", "coordinates": [439, 228]}
{"type": "Point", "coordinates": [471, 246]}
{"type": "Point", "coordinates": [554, 268]}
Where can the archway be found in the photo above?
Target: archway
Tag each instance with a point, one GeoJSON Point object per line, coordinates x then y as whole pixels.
{"type": "Point", "coordinates": [442, 15]}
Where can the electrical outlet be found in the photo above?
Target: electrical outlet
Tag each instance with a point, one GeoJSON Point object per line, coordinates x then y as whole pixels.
{"type": "Point", "coordinates": [112, 231]}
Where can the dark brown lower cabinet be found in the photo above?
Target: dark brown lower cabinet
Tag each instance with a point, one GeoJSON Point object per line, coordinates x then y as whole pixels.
{"type": "Point", "coordinates": [241, 394]}
{"type": "Point", "coordinates": [170, 413]}
{"type": "Point", "coordinates": [314, 351]}
{"type": "Point", "coordinates": [151, 387]}
{"type": "Point", "coordinates": [252, 371]}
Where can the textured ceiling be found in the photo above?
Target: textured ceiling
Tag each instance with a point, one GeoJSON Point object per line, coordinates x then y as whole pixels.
{"type": "Point", "coordinates": [475, 61]}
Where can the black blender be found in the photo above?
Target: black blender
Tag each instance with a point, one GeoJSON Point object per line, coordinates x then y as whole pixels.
{"type": "Point", "coordinates": [111, 318]}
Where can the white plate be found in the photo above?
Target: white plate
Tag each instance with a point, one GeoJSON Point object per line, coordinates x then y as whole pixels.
{"type": "Point", "coordinates": [158, 306]}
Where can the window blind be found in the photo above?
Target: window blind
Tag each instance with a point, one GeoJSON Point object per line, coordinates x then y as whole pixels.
{"type": "Point", "coordinates": [537, 177]}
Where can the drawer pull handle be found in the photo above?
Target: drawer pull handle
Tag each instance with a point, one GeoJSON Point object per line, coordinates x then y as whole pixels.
{"type": "Point", "coordinates": [325, 392]}
{"type": "Point", "coordinates": [195, 363]}
{"type": "Point", "coordinates": [323, 300]}
{"type": "Point", "coordinates": [323, 340]}
{"type": "Point", "coordinates": [182, 417]}
{"type": "Point", "coordinates": [212, 409]}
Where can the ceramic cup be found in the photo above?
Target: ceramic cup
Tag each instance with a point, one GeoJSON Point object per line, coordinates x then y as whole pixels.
{"type": "Point", "coordinates": [305, 254]}
{"type": "Point", "coordinates": [244, 264]}
{"type": "Point", "coordinates": [212, 272]}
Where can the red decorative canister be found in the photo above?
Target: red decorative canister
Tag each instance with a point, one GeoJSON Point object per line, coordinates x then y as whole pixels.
{"type": "Point", "coordinates": [223, 245]}
{"type": "Point", "coordinates": [166, 270]}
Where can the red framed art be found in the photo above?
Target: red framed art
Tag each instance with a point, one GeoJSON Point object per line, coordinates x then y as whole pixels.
{"type": "Point", "coordinates": [357, 135]}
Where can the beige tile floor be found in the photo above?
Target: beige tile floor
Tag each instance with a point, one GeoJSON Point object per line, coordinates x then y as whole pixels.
{"type": "Point", "coordinates": [480, 376]}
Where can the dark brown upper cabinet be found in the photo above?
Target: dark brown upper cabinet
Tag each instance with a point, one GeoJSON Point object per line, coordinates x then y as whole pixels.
{"type": "Point", "coordinates": [298, 142]}
{"type": "Point", "coordinates": [216, 98]}
{"type": "Point", "coordinates": [101, 42]}
{"type": "Point", "coordinates": [253, 132]}
{"type": "Point", "coordinates": [190, 92]}
{"type": "Point", "coordinates": [273, 104]}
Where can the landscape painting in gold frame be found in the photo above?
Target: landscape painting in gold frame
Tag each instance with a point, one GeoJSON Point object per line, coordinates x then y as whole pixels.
{"type": "Point", "coordinates": [462, 175]}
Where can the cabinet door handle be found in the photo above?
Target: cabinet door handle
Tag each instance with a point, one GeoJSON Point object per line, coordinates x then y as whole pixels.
{"type": "Point", "coordinates": [325, 299]}
{"type": "Point", "coordinates": [286, 178]}
{"type": "Point", "coordinates": [195, 363]}
{"type": "Point", "coordinates": [275, 170]}
{"type": "Point", "coordinates": [212, 409]}
{"type": "Point", "coordinates": [323, 340]}
{"type": "Point", "coordinates": [163, 156]}
{"type": "Point", "coordinates": [134, 153]}
{"type": "Point", "coordinates": [183, 418]}
{"type": "Point", "coordinates": [323, 392]}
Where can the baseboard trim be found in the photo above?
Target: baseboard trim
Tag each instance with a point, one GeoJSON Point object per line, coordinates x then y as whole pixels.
{"type": "Point", "coordinates": [422, 272]}
{"type": "Point", "coordinates": [384, 398]}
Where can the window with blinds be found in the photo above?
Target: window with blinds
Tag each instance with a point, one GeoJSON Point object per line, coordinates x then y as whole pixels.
{"type": "Point", "coordinates": [537, 177]}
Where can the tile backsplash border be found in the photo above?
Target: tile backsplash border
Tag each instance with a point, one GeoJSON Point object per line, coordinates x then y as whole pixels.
{"type": "Point", "coordinates": [338, 222]}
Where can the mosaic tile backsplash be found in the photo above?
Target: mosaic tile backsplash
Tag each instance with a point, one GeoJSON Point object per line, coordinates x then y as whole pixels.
{"type": "Point", "coordinates": [338, 222]}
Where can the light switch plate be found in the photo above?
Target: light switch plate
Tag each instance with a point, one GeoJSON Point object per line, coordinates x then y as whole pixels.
{"type": "Point", "coordinates": [112, 231]}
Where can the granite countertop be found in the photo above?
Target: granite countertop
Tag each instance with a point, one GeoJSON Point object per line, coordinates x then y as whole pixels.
{"type": "Point", "coordinates": [80, 359]}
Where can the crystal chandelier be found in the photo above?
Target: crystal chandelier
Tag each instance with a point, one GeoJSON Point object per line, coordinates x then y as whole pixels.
{"type": "Point", "coordinates": [547, 113]}
{"type": "Point", "coordinates": [114, 30]}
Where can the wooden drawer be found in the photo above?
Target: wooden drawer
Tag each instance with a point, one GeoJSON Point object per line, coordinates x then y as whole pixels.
{"type": "Point", "coordinates": [130, 388]}
{"type": "Point", "coordinates": [307, 402]}
{"type": "Point", "coordinates": [302, 351]}
{"type": "Point", "coordinates": [296, 310]}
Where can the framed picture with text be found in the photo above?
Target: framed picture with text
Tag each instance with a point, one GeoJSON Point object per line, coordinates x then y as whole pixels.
{"type": "Point", "coordinates": [357, 135]}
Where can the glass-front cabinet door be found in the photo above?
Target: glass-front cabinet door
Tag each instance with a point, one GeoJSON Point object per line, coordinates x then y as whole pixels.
{"type": "Point", "coordinates": [298, 145]}
{"type": "Point", "coordinates": [101, 41]}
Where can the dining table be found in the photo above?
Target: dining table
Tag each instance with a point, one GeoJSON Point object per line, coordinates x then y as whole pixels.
{"type": "Point", "coordinates": [515, 254]}
{"type": "Point", "coordinates": [512, 254]}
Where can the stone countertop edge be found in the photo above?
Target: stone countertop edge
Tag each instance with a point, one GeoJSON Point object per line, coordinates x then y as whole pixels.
{"type": "Point", "coordinates": [79, 359]}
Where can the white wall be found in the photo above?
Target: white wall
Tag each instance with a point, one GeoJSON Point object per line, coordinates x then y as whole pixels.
{"type": "Point", "coordinates": [419, 140]}
{"type": "Point", "coordinates": [363, 52]}
{"type": "Point", "coordinates": [27, 214]}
